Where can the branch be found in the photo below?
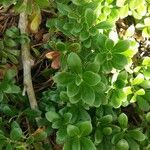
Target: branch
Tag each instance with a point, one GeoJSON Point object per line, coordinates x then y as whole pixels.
{"type": "Point", "coordinates": [26, 60]}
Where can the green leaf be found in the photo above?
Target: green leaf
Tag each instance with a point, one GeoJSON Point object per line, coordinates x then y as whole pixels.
{"type": "Point", "coordinates": [9, 147]}
{"type": "Point", "coordinates": [74, 62]}
{"type": "Point", "coordinates": [72, 89]}
{"type": "Point", "coordinates": [63, 8]}
{"type": "Point", "coordinates": [85, 128]}
{"type": "Point", "coordinates": [12, 89]}
{"type": "Point", "coordinates": [138, 80]}
{"type": "Point", "coordinates": [10, 42]}
{"type": "Point", "coordinates": [122, 145]}
{"type": "Point", "coordinates": [124, 11]}
{"type": "Point", "coordinates": [63, 96]}
{"type": "Point", "coordinates": [89, 17]}
{"type": "Point", "coordinates": [87, 43]}
{"type": "Point", "coordinates": [94, 67]}
{"type": "Point", "coordinates": [106, 119]}
{"type": "Point", "coordinates": [87, 144]}
{"type": "Point", "coordinates": [91, 78]}
{"type": "Point", "coordinates": [78, 80]}
{"type": "Point", "coordinates": [104, 25]}
{"type": "Point", "coordinates": [67, 145]}
{"type": "Point", "coordinates": [73, 131]}
{"type": "Point", "coordinates": [120, 84]}
{"type": "Point", "coordinates": [52, 116]}
{"type": "Point", "coordinates": [67, 117]}
{"type": "Point", "coordinates": [98, 100]}
{"type": "Point", "coordinates": [10, 74]}
{"type": "Point", "coordinates": [121, 46]}
{"type": "Point", "coordinates": [43, 3]}
{"type": "Point", "coordinates": [84, 35]}
{"type": "Point", "coordinates": [107, 66]}
{"type": "Point", "coordinates": [2, 44]}
{"type": "Point", "coordinates": [123, 120]}
{"type": "Point", "coordinates": [120, 3]}
{"type": "Point", "coordinates": [80, 2]}
{"type": "Point", "coordinates": [1, 96]}
{"type": "Point", "coordinates": [148, 117]}
{"type": "Point", "coordinates": [123, 75]}
{"type": "Point", "coordinates": [12, 32]}
{"type": "Point", "coordinates": [107, 131]}
{"type": "Point", "coordinates": [16, 134]}
{"type": "Point", "coordinates": [117, 98]}
{"type": "Point", "coordinates": [2, 137]}
{"type": "Point", "coordinates": [61, 135]}
{"type": "Point", "coordinates": [146, 61]}
{"type": "Point", "coordinates": [40, 136]}
{"type": "Point", "coordinates": [75, 99]}
{"type": "Point", "coordinates": [119, 61]}
{"type": "Point", "coordinates": [63, 78]}
{"type": "Point", "coordinates": [75, 47]}
{"type": "Point", "coordinates": [140, 92]}
{"type": "Point", "coordinates": [2, 144]}
{"type": "Point", "coordinates": [109, 44]}
{"type": "Point", "coordinates": [133, 145]}
{"type": "Point", "coordinates": [76, 144]}
{"type": "Point", "coordinates": [87, 94]}
{"type": "Point", "coordinates": [99, 59]}
{"type": "Point", "coordinates": [143, 103]}
{"type": "Point", "coordinates": [61, 46]}
{"type": "Point", "coordinates": [98, 136]}
{"type": "Point", "coordinates": [93, 31]}
{"type": "Point", "coordinates": [117, 137]}
{"type": "Point", "coordinates": [137, 135]}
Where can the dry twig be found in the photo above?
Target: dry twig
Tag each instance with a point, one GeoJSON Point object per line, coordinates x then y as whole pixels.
{"type": "Point", "coordinates": [26, 60]}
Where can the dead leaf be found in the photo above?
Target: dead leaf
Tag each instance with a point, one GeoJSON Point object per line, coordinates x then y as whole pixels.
{"type": "Point", "coordinates": [35, 22]}
{"type": "Point", "coordinates": [52, 55]}
{"type": "Point", "coordinates": [55, 57]}
{"type": "Point", "coordinates": [56, 63]}
{"type": "Point", "coordinates": [46, 37]}
{"type": "Point", "coordinates": [39, 130]}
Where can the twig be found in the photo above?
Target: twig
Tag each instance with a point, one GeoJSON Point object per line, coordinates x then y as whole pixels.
{"type": "Point", "coordinates": [27, 63]}
{"type": "Point", "coordinates": [26, 60]}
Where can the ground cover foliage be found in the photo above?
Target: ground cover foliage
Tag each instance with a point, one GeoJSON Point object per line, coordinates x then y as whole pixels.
{"type": "Point", "coordinates": [90, 72]}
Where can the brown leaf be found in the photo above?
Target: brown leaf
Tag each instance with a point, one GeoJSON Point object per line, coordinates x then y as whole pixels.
{"type": "Point", "coordinates": [52, 55]}
{"type": "Point", "coordinates": [39, 130]}
{"type": "Point", "coordinates": [55, 57]}
{"type": "Point", "coordinates": [39, 35]}
{"type": "Point", "coordinates": [56, 63]}
{"type": "Point", "coordinates": [46, 37]}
